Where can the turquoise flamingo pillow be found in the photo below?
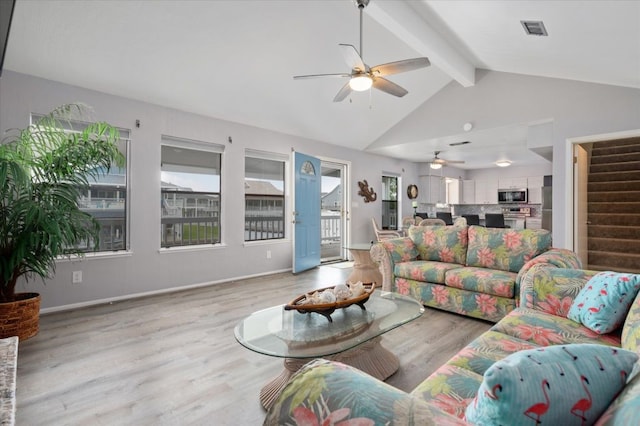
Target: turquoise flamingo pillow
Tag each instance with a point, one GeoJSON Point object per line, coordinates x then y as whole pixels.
{"type": "Point", "coordinates": [555, 385]}
{"type": "Point", "coordinates": [604, 301]}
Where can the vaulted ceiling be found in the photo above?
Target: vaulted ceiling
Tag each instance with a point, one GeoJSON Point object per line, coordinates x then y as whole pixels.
{"type": "Point", "coordinates": [235, 60]}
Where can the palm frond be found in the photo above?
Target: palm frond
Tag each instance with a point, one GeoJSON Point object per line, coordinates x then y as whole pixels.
{"type": "Point", "coordinates": [43, 170]}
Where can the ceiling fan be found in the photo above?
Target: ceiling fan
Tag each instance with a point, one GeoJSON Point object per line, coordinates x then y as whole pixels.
{"type": "Point", "coordinates": [436, 163]}
{"type": "Point", "coordinates": [362, 77]}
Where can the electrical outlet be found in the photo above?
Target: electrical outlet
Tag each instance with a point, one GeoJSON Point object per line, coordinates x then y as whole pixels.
{"type": "Point", "coordinates": [77, 277]}
{"type": "Point", "coordinates": [268, 254]}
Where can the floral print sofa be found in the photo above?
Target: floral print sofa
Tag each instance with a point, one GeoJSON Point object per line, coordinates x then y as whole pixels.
{"type": "Point", "coordinates": [470, 270]}
{"type": "Point", "coordinates": [326, 392]}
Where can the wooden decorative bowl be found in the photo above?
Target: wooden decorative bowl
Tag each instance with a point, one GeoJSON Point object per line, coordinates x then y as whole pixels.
{"type": "Point", "coordinates": [326, 309]}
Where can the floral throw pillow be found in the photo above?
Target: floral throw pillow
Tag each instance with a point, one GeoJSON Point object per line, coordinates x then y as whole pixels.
{"type": "Point", "coordinates": [604, 301]}
{"type": "Point", "coordinates": [555, 385]}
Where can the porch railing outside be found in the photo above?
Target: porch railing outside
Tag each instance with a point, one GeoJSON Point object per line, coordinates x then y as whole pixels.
{"type": "Point", "coordinates": [189, 218]}
{"type": "Point", "coordinates": [270, 227]}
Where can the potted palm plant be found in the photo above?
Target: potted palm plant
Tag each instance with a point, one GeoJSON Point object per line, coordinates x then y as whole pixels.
{"type": "Point", "coordinates": [43, 170]}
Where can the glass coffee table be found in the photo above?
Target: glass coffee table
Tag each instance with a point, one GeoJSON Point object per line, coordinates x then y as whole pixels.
{"type": "Point", "coordinates": [352, 338]}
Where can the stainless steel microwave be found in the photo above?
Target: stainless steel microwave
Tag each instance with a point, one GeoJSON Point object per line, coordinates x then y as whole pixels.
{"type": "Point", "coordinates": [512, 196]}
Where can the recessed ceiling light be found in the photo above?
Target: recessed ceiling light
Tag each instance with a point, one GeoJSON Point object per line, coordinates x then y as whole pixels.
{"type": "Point", "coordinates": [503, 163]}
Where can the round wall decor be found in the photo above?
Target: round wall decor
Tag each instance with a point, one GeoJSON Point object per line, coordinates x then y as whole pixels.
{"type": "Point", "coordinates": [412, 192]}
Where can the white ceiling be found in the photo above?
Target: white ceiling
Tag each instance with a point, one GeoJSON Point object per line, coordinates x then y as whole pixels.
{"type": "Point", "coordinates": [235, 60]}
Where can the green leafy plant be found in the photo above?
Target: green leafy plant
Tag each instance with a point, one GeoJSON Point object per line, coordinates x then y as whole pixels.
{"type": "Point", "coordinates": [43, 170]}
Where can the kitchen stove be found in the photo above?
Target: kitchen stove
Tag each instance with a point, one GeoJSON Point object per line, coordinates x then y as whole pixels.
{"type": "Point", "coordinates": [516, 212]}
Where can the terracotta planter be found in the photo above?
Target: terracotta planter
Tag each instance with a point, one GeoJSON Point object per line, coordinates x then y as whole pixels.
{"type": "Point", "coordinates": [20, 318]}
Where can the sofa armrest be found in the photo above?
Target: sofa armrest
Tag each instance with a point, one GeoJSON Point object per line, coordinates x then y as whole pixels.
{"type": "Point", "coordinates": [550, 289]}
{"type": "Point", "coordinates": [389, 252]}
{"type": "Point", "coordinates": [329, 392]}
{"type": "Point", "coordinates": [556, 257]}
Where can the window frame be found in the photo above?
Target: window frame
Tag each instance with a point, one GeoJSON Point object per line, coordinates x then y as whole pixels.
{"type": "Point", "coordinates": [194, 145]}
{"type": "Point", "coordinates": [77, 126]}
{"type": "Point", "coordinates": [285, 159]}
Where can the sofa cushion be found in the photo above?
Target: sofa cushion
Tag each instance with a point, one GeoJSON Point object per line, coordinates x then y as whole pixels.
{"type": "Point", "coordinates": [486, 349]}
{"type": "Point", "coordinates": [464, 302]}
{"type": "Point", "coordinates": [604, 301]}
{"type": "Point", "coordinates": [329, 392]}
{"type": "Point", "coordinates": [505, 249]}
{"type": "Point", "coordinates": [544, 329]}
{"type": "Point", "coordinates": [440, 243]}
{"type": "Point", "coordinates": [482, 280]}
{"type": "Point", "coordinates": [566, 384]}
{"type": "Point", "coordinates": [422, 270]}
{"type": "Point", "coordinates": [631, 327]}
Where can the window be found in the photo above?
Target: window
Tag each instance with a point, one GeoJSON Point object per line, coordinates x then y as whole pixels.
{"type": "Point", "coordinates": [106, 198]}
{"type": "Point", "coordinates": [264, 216]}
{"type": "Point", "coordinates": [106, 201]}
{"type": "Point", "coordinates": [389, 202]}
{"type": "Point", "coordinates": [190, 192]}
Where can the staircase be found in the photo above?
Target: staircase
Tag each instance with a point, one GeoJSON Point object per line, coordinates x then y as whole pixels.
{"type": "Point", "coordinates": [613, 196]}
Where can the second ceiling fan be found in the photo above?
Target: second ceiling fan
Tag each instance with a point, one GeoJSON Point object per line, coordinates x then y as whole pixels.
{"type": "Point", "coordinates": [362, 77]}
{"type": "Point", "coordinates": [437, 163]}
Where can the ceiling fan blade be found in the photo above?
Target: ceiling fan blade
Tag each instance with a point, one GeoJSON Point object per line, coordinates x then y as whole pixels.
{"type": "Point", "coordinates": [352, 57]}
{"type": "Point", "coordinates": [302, 77]}
{"type": "Point", "coordinates": [389, 87]}
{"type": "Point", "coordinates": [343, 93]}
{"type": "Point", "coordinates": [444, 162]}
{"type": "Point", "coordinates": [400, 66]}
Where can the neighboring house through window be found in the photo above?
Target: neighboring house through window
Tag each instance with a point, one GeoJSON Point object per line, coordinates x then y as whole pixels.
{"type": "Point", "coordinates": [106, 199]}
{"type": "Point", "coordinates": [264, 216]}
{"type": "Point", "coordinates": [190, 192]}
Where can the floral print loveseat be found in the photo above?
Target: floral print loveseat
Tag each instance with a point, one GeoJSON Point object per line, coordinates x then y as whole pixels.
{"type": "Point", "coordinates": [326, 392]}
{"type": "Point", "coordinates": [470, 270]}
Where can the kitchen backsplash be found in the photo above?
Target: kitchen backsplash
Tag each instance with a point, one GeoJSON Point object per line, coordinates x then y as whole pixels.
{"type": "Point", "coordinates": [479, 209]}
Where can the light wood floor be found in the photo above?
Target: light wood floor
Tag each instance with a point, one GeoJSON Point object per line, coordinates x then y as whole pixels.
{"type": "Point", "coordinates": [173, 359]}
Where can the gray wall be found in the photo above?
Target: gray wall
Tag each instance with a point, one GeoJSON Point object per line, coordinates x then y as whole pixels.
{"type": "Point", "coordinates": [146, 269]}
{"type": "Point", "coordinates": [500, 99]}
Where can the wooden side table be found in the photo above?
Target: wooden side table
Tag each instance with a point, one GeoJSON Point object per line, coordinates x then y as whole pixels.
{"type": "Point", "coordinates": [364, 269]}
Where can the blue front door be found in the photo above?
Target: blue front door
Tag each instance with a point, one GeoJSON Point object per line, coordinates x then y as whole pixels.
{"type": "Point", "coordinates": [308, 177]}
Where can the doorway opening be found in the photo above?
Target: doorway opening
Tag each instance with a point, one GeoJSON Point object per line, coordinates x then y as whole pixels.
{"type": "Point", "coordinates": [334, 217]}
{"type": "Point", "coordinates": [390, 202]}
{"type": "Point", "coordinates": [606, 200]}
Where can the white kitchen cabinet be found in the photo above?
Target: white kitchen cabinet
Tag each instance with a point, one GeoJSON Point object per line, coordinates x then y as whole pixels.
{"type": "Point", "coordinates": [534, 223]}
{"type": "Point", "coordinates": [434, 189]}
{"type": "Point", "coordinates": [453, 191]}
{"type": "Point", "coordinates": [515, 223]}
{"type": "Point", "coordinates": [512, 183]}
{"type": "Point", "coordinates": [486, 191]}
{"type": "Point", "coordinates": [468, 192]}
{"type": "Point", "coordinates": [534, 186]}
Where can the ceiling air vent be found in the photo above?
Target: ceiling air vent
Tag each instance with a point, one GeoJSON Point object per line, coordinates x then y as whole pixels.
{"type": "Point", "coordinates": [534, 28]}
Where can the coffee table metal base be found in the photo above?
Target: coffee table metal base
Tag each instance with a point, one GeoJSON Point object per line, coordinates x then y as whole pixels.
{"type": "Point", "coordinates": [370, 357]}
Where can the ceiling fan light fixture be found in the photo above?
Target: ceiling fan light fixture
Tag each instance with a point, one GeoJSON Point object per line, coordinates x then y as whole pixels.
{"type": "Point", "coordinates": [503, 163]}
{"type": "Point", "coordinates": [435, 166]}
{"type": "Point", "coordinates": [360, 83]}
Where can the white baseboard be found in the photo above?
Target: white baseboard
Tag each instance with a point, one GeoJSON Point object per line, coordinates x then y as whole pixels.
{"type": "Point", "coordinates": [71, 306]}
